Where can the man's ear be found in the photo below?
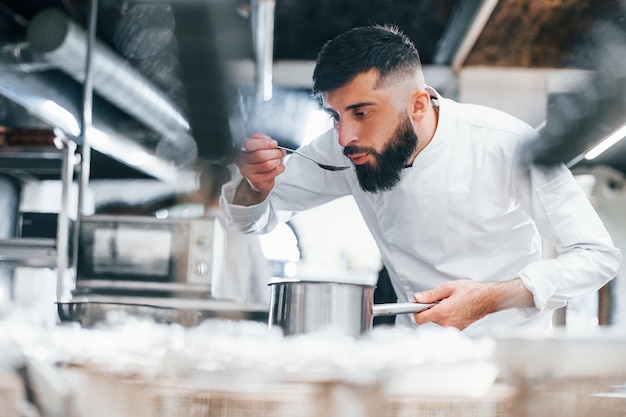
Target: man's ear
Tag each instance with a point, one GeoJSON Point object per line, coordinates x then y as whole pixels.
{"type": "Point", "coordinates": [417, 105]}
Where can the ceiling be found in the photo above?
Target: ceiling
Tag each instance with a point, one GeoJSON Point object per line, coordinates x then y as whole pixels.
{"type": "Point", "coordinates": [184, 62]}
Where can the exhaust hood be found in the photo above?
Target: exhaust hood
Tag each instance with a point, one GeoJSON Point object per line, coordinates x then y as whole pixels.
{"type": "Point", "coordinates": [154, 114]}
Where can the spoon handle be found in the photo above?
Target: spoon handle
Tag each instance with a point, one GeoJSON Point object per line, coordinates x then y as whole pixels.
{"type": "Point", "coordinates": [319, 164]}
{"type": "Point", "coordinates": [289, 150]}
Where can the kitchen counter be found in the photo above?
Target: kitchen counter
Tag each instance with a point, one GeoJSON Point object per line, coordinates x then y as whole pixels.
{"type": "Point", "coordinates": [580, 375]}
{"type": "Point", "coordinates": [136, 367]}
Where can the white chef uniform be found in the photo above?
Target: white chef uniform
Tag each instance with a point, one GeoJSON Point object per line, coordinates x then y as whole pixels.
{"type": "Point", "coordinates": [470, 206]}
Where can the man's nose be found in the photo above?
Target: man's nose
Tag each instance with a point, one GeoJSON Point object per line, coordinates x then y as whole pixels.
{"type": "Point", "coordinates": [347, 133]}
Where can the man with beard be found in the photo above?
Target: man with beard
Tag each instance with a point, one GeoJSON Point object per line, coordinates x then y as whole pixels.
{"type": "Point", "coordinates": [456, 210]}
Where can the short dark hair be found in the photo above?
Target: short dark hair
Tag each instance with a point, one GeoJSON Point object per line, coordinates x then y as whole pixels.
{"type": "Point", "coordinates": [381, 47]}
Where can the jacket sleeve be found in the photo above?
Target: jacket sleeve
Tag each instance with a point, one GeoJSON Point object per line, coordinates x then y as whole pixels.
{"type": "Point", "coordinates": [302, 186]}
{"type": "Point", "coordinates": [586, 257]}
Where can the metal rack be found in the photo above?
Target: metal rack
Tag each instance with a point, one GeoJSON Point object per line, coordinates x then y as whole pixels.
{"type": "Point", "coordinates": [54, 253]}
{"type": "Point", "coordinates": [28, 162]}
{"type": "Point", "coordinates": [31, 161]}
{"type": "Point", "coordinates": [37, 253]}
{"type": "Point", "coordinates": [42, 252]}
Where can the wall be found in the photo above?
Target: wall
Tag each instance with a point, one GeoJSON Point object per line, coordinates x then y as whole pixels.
{"type": "Point", "coordinates": [521, 92]}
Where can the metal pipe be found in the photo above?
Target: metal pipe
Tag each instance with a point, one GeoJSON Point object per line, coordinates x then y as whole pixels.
{"type": "Point", "coordinates": [48, 96]}
{"type": "Point", "coordinates": [87, 119]}
{"type": "Point", "coordinates": [19, 56]}
{"type": "Point", "coordinates": [263, 36]}
{"type": "Point", "coordinates": [455, 32]}
{"type": "Point", "coordinates": [54, 98]}
{"type": "Point", "coordinates": [68, 148]}
{"type": "Point", "coordinates": [478, 24]}
{"type": "Point", "coordinates": [62, 42]}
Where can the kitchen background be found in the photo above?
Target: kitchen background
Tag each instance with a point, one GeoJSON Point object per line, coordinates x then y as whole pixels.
{"type": "Point", "coordinates": [179, 82]}
{"type": "Point", "coordinates": [107, 107]}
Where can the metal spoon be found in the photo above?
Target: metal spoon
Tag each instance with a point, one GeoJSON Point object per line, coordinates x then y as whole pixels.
{"type": "Point", "coordinates": [323, 166]}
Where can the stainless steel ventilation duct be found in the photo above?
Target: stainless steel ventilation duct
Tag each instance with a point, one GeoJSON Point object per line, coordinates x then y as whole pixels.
{"type": "Point", "coordinates": [59, 41]}
{"type": "Point", "coordinates": [54, 98]}
{"type": "Point", "coordinates": [263, 37]}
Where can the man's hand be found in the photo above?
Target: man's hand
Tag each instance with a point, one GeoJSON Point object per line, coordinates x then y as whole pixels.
{"type": "Point", "coordinates": [462, 302]}
{"type": "Point", "coordinates": [259, 163]}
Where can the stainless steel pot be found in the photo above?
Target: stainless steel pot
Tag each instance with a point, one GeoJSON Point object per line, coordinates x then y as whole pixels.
{"type": "Point", "coordinates": [304, 306]}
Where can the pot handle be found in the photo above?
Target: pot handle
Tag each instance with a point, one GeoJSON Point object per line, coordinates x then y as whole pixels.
{"type": "Point", "coordinates": [391, 309]}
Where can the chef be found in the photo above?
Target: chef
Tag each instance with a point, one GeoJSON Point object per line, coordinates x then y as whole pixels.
{"type": "Point", "coordinates": [455, 205]}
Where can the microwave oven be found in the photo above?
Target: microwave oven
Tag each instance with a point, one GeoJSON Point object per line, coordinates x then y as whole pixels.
{"type": "Point", "coordinates": [142, 255]}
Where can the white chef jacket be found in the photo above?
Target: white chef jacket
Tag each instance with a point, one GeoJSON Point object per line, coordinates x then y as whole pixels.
{"type": "Point", "coordinates": [471, 206]}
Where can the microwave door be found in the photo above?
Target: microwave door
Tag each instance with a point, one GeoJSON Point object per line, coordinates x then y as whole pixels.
{"type": "Point", "coordinates": [132, 251]}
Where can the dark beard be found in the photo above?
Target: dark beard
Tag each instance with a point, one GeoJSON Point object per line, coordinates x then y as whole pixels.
{"type": "Point", "coordinates": [384, 174]}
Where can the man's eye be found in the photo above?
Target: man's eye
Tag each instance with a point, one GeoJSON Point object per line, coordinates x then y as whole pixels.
{"type": "Point", "coordinates": [334, 118]}
{"type": "Point", "coordinates": [361, 114]}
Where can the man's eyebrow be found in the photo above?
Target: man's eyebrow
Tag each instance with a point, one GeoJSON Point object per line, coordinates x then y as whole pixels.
{"type": "Point", "coordinates": [357, 105]}
{"type": "Point", "coordinates": [350, 107]}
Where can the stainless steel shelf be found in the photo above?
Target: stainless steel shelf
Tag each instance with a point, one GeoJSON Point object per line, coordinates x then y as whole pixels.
{"type": "Point", "coordinates": [30, 252]}
{"type": "Point", "coordinates": [31, 161]}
